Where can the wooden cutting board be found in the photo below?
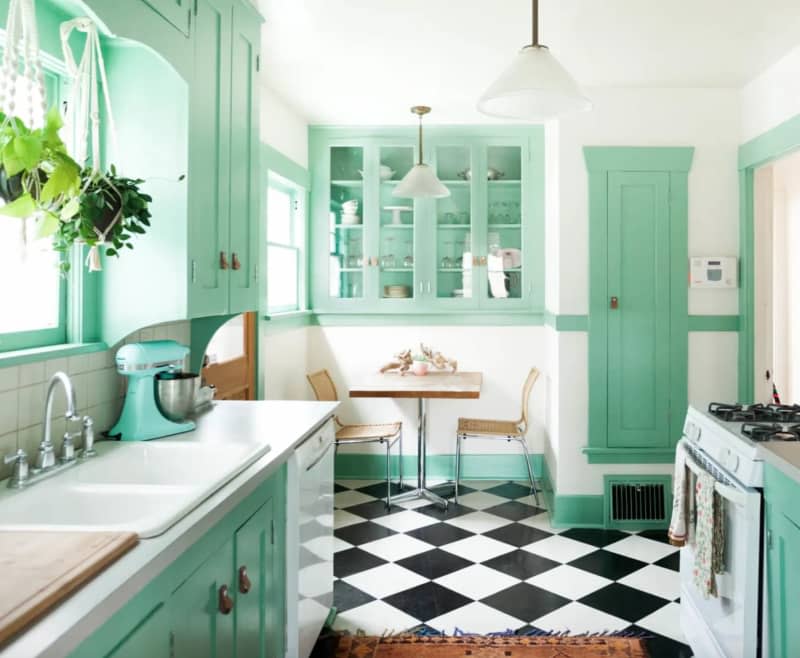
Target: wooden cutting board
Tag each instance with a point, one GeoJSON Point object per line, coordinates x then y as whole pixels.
{"type": "Point", "coordinates": [42, 568]}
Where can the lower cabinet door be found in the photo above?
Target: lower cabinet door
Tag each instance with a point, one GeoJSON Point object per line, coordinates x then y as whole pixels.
{"type": "Point", "coordinates": [150, 638]}
{"type": "Point", "coordinates": [783, 574]}
{"type": "Point", "coordinates": [202, 609]}
{"type": "Point", "coordinates": [256, 595]}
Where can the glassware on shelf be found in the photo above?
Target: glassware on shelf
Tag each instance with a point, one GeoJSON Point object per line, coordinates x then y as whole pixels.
{"type": "Point", "coordinates": [447, 262]}
{"type": "Point", "coordinates": [463, 217]}
{"type": "Point", "coordinates": [354, 257]}
{"type": "Point", "coordinates": [408, 261]}
{"type": "Point", "coordinates": [388, 260]}
{"type": "Point", "coordinates": [458, 258]}
{"type": "Point", "coordinates": [449, 218]}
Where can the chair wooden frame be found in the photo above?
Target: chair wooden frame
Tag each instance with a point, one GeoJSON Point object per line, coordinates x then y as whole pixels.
{"type": "Point", "coordinates": [389, 434]}
{"type": "Point", "coordinates": [499, 429]}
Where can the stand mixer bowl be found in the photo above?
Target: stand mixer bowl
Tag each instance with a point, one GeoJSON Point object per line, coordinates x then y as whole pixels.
{"type": "Point", "coordinates": [176, 393]}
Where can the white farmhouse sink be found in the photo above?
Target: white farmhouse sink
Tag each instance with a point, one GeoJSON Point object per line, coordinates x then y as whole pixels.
{"type": "Point", "coordinates": [138, 487]}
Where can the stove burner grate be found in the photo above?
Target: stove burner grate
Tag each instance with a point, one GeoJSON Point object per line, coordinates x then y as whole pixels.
{"type": "Point", "coordinates": [761, 432]}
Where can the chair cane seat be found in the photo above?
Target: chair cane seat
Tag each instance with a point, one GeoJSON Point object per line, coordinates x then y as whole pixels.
{"type": "Point", "coordinates": [487, 427]}
{"type": "Point", "coordinates": [366, 432]}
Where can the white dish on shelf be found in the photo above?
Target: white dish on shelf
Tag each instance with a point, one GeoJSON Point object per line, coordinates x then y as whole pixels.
{"type": "Point", "coordinates": [396, 210]}
{"type": "Point", "coordinates": [350, 219]}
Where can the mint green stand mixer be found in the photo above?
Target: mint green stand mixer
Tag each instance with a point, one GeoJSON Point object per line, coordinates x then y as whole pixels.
{"type": "Point", "coordinates": [141, 418]}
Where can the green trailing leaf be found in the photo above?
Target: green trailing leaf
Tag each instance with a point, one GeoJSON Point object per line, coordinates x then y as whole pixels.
{"type": "Point", "coordinates": [64, 179]}
{"type": "Point", "coordinates": [48, 225]}
{"type": "Point", "coordinates": [11, 162]}
{"type": "Point", "coordinates": [28, 150]}
{"type": "Point", "coordinates": [22, 207]}
{"type": "Point", "coordinates": [71, 208]}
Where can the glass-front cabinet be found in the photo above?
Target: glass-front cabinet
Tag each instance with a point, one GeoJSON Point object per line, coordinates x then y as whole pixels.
{"type": "Point", "coordinates": [481, 249]}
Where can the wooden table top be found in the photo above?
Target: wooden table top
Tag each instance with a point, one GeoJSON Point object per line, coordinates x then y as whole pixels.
{"type": "Point", "coordinates": [452, 385]}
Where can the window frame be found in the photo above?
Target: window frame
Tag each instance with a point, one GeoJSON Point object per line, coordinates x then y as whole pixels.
{"type": "Point", "coordinates": [299, 244]}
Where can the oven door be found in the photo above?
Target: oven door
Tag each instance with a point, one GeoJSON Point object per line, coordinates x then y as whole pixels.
{"type": "Point", "coordinates": [728, 626]}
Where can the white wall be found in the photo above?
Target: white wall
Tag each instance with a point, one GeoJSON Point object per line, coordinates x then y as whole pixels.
{"type": "Point", "coordinates": [283, 128]}
{"type": "Point", "coordinates": [283, 364]}
{"type": "Point", "coordinates": [772, 97]}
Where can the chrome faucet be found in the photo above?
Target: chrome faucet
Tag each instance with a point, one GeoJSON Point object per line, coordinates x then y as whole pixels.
{"type": "Point", "coordinates": [47, 458]}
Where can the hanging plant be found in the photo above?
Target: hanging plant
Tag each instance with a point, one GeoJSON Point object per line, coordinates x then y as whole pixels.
{"type": "Point", "coordinates": [110, 210]}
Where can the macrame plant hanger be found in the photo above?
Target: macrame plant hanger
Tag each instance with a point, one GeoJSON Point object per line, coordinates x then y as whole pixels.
{"type": "Point", "coordinates": [83, 111]}
{"type": "Point", "coordinates": [21, 54]}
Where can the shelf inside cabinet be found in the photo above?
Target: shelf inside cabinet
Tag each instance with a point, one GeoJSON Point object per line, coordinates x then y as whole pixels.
{"type": "Point", "coordinates": [452, 270]}
{"type": "Point", "coordinates": [398, 226]}
{"type": "Point", "coordinates": [466, 227]}
{"type": "Point", "coordinates": [347, 183]}
{"type": "Point", "coordinates": [505, 226]}
{"type": "Point", "coordinates": [401, 270]}
{"type": "Point", "coordinates": [503, 182]}
{"type": "Point", "coordinates": [348, 227]}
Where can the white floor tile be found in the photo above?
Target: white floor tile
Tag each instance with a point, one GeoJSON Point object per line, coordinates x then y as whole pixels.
{"type": "Point", "coordinates": [482, 485]}
{"type": "Point", "coordinates": [641, 548]}
{"type": "Point", "coordinates": [385, 580]}
{"type": "Point", "coordinates": [396, 547]}
{"type": "Point", "coordinates": [413, 504]}
{"type": "Point", "coordinates": [578, 618]}
{"type": "Point", "coordinates": [569, 582]}
{"type": "Point", "coordinates": [478, 522]}
{"type": "Point", "coordinates": [560, 549]}
{"type": "Point", "coordinates": [374, 618]}
{"type": "Point", "coordinates": [342, 519]}
{"type": "Point", "coordinates": [350, 498]}
{"type": "Point", "coordinates": [481, 500]}
{"type": "Point", "coordinates": [655, 580]}
{"type": "Point", "coordinates": [340, 545]}
{"type": "Point", "coordinates": [475, 618]}
{"type": "Point", "coordinates": [477, 548]}
{"type": "Point", "coordinates": [542, 522]}
{"type": "Point", "coordinates": [405, 521]}
{"type": "Point", "coordinates": [665, 621]}
{"type": "Point", "coordinates": [531, 500]}
{"type": "Point", "coordinates": [477, 582]}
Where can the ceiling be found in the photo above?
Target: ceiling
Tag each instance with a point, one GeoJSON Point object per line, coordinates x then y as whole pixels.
{"type": "Point", "coordinates": [368, 61]}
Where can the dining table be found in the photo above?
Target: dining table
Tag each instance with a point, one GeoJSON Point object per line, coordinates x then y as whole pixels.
{"type": "Point", "coordinates": [436, 385]}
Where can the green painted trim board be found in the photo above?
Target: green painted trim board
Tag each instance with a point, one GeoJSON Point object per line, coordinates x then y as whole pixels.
{"type": "Point", "coordinates": [638, 158]}
{"type": "Point", "coordinates": [273, 324]}
{"type": "Point", "coordinates": [780, 140]}
{"type": "Point", "coordinates": [21, 357]}
{"type": "Point", "coordinates": [469, 319]}
{"type": "Point", "coordinates": [571, 510]}
{"type": "Point", "coordinates": [273, 160]}
{"type": "Point", "coordinates": [713, 323]}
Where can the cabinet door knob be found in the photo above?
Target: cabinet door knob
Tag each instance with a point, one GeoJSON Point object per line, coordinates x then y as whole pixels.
{"type": "Point", "coordinates": [223, 261]}
{"type": "Point", "coordinates": [244, 580]}
{"type": "Point", "coordinates": [615, 303]}
{"type": "Point", "coordinates": [483, 260]}
{"type": "Point", "coordinates": [225, 601]}
{"type": "Point", "coordinates": [235, 263]}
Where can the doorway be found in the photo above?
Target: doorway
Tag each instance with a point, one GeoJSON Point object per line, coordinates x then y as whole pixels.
{"type": "Point", "coordinates": [230, 358]}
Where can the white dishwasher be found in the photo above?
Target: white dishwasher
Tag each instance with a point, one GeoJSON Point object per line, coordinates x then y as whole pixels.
{"type": "Point", "coordinates": [309, 541]}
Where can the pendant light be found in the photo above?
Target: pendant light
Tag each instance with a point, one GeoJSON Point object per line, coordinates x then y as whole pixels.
{"type": "Point", "coordinates": [421, 182]}
{"type": "Point", "coordinates": [535, 86]}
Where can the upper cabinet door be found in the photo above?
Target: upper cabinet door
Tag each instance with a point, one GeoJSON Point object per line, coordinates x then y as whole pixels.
{"type": "Point", "coordinates": [175, 11]}
{"type": "Point", "coordinates": [209, 158]}
{"type": "Point", "coordinates": [245, 243]}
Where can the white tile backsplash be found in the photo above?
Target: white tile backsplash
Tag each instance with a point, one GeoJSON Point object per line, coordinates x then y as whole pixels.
{"type": "Point", "coordinates": [98, 390]}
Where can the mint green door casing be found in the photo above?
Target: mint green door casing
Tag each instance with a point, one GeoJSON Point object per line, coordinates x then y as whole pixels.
{"type": "Point", "coordinates": [760, 151]}
{"type": "Point", "coordinates": [176, 12]}
{"type": "Point", "coordinates": [638, 352]}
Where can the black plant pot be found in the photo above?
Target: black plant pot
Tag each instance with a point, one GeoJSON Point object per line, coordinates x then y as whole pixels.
{"type": "Point", "coordinates": [108, 215]}
{"type": "Point", "coordinates": [10, 186]}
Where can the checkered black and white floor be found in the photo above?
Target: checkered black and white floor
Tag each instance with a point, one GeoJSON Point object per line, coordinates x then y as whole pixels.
{"type": "Point", "coordinates": [494, 563]}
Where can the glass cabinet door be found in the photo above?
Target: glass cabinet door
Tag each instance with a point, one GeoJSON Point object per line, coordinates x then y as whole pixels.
{"type": "Point", "coordinates": [502, 270]}
{"type": "Point", "coordinates": [396, 253]}
{"type": "Point", "coordinates": [454, 223]}
{"type": "Point", "coordinates": [347, 263]}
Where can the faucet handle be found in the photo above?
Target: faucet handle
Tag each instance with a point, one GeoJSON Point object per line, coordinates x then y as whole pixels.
{"type": "Point", "coordinates": [20, 473]}
{"type": "Point", "coordinates": [88, 437]}
{"type": "Point", "coordinates": [68, 448]}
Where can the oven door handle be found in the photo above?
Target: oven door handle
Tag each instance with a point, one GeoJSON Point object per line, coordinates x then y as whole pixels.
{"type": "Point", "coordinates": [731, 494]}
{"type": "Point", "coordinates": [319, 457]}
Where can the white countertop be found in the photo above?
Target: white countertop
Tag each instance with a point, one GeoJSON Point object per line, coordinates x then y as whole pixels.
{"type": "Point", "coordinates": [280, 424]}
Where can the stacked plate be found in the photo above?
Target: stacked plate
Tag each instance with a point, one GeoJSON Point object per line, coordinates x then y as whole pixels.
{"type": "Point", "coordinates": [397, 292]}
{"type": "Point", "coordinates": [350, 214]}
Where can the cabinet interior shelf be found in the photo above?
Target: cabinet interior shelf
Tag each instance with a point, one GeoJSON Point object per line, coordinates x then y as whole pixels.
{"type": "Point", "coordinates": [347, 183]}
{"type": "Point", "coordinates": [406, 270]}
{"type": "Point", "coordinates": [504, 182]}
{"type": "Point", "coordinates": [456, 183]}
{"type": "Point", "coordinates": [505, 226]}
{"type": "Point", "coordinates": [451, 270]}
{"type": "Point", "coordinates": [343, 227]}
{"type": "Point", "coordinates": [399, 226]}
{"type": "Point", "coordinates": [350, 270]}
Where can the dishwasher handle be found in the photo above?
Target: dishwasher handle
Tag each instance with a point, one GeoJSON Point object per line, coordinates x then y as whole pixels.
{"type": "Point", "coordinates": [320, 456]}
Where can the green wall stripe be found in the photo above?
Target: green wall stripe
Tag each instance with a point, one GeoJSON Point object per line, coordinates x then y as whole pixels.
{"type": "Point", "coordinates": [572, 511]}
{"type": "Point", "coordinates": [372, 466]}
{"type": "Point", "coordinates": [713, 323]}
{"type": "Point", "coordinates": [428, 319]}
{"type": "Point", "coordinates": [272, 324]}
{"type": "Point", "coordinates": [638, 158]}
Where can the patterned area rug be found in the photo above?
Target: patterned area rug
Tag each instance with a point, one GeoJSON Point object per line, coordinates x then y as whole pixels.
{"type": "Point", "coordinates": [475, 646]}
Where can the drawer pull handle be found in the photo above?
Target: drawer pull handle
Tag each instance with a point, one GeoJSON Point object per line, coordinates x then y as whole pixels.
{"type": "Point", "coordinates": [244, 580]}
{"type": "Point", "coordinates": [235, 263]}
{"type": "Point", "coordinates": [223, 261]}
{"type": "Point", "coordinates": [225, 601]}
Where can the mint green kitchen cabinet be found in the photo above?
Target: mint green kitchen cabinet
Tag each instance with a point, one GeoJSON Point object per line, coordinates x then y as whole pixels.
{"type": "Point", "coordinates": [479, 250]}
{"type": "Point", "coordinates": [177, 12]}
{"type": "Point", "coordinates": [782, 569]}
{"type": "Point", "coordinates": [151, 638]}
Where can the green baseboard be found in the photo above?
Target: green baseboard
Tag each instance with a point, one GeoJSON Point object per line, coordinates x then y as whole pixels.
{"type": "Point", "coordinates": [572, 511]}
{"type": "Point", "coordinates": [361, 466]}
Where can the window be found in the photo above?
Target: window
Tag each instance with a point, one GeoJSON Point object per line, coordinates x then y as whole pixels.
{"type": "Point", "coordinates": [33, 295]}
{"type": "Point", "coordinates": [285, 246]}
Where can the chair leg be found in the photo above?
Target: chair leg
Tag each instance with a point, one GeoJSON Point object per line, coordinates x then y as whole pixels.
{"type": "Point", "coordinates": [388, 475]}
{"type": "Point", "coordinates": [458, 467]}
{"type": "Point", "coordinates": [530, 469]}
{"type": "Point", "coordinates": [400, 459]}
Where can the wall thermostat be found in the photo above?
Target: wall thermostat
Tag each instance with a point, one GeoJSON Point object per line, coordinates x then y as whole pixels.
{"type": "Point", "coordinates": [713, 272]}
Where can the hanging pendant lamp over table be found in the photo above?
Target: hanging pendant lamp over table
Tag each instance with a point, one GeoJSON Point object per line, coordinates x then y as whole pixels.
{"type": "Point", "coordinates": [535, 86]}
{"type": "Point", "coordinates": [421, 182]}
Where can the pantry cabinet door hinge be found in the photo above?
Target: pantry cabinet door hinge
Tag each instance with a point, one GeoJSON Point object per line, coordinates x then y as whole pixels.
{"type": "Point", "coordinates": [171, 644]}
{"type": "Point", "coordinates": [194, 271]}
{"type": "Point", "coordinates": [255, 273]}
{"type": "Point", "coordinates": [272, 531]}
{"type": "Point", "coordinates": [769, 540]}
{"type": "Point", "coordinates": [194, 9]}
{"type": "Point", "coordinates": [258, 62]}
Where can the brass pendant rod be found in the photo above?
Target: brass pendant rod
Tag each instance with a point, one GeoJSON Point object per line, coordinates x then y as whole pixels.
{"type": "Point", "coordinates": [535, 31]}
{"type": "Point", "coordinates": [420, 139]}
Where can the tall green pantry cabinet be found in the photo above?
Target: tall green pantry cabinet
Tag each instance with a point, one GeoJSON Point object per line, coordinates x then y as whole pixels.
{"type": "Point", "coordinates": [479, 251]}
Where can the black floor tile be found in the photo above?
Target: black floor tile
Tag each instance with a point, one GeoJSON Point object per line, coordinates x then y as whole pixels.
{"type": "Point", "coordinates": [595, 536]}
{"type": "Point", "coordinates": [439, 512]}
{"type": "Point", "coordinates": [517, 534]}
{"type": "Point", "coordinates": [427, 601]}
{"type": "Point", "coordinates": [527, 629]}
{"type": "Point", "coordinates": [373, 509]}
{"type": "Point", "coordinates": [657, 535]}
{"type": "Point", "coordinates": [622, 601]}
{"type": "Point", "coordinates": [511, 490]}
{"type": "Point", "coordinates": [514, 510]}
{"type": "Point", "coordinates": [378, 490]}
{"type": "Point", "coordinates": [525, 601]}
{"type": "Point", "coordinates": [448, 490]}
{"type": "Point", "coordinates": [671, 561]}
{"type": "Point", "coordinates": [521, 564]}
{"type": "Point", "coordinates": [607, 564]}
{"type": "Point", "coordinates": [345, 596]}
{"type": "Point", "coordinates": [434, 564]}
{"type": "Point", "coordinates": [354, 560]}
{"type": "Point", "coordinates": [338, 488]}
{"type": "Point", "coordinates": [361, 533]}
{"type": "Point", "coordinates": [439, 534]}
{"type": "Point", "coordinates": [659, 646]}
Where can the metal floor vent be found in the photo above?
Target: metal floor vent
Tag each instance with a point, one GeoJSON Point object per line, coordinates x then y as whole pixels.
{"type": "Point", "coordinates": [638, 501]}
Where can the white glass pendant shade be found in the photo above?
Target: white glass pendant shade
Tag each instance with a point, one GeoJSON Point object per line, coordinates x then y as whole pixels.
{"type": "Point", "coordinates": [420, 183]}
{"type": "Point", "coordinates": [534, 87]}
